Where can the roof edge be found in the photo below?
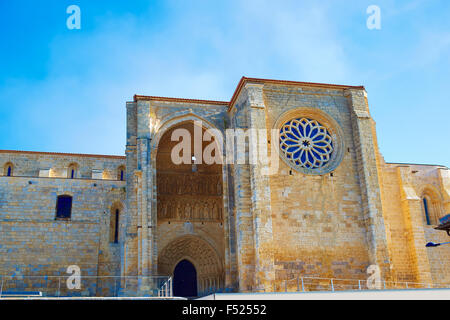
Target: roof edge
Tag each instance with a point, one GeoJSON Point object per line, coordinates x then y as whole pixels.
{"type": "Point", "coordinates": [417, 164]}
{"type": "Point", "coordinates": [286, 82]}
{"type": "Point", "coordinates": [182, 100]}
{"type": "Point", "coordinates": [64, 154]}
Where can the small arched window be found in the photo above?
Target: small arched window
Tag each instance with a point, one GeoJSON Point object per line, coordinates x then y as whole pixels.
{"type": "Point", "coordinates": [72, 171]}
{"type": "Point", "coordinates": [114, 225]}
{"type": "Point", "coordinates": [432, 207]}
{"type": "Point", "coordinates": [8, 169]}
{"type": "Point", "coordinates": [426, 210]}
{"type": "Point", "coordinates": [121, 173]}
{"type": "Point", "coordinates": [63, 207]}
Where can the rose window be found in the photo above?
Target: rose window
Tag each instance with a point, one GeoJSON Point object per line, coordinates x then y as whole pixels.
{"type": "Point", "coordinates": [306, 143]}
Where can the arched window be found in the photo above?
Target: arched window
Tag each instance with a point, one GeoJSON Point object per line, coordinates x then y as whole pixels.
{"type": "Point", "coordinates": [432, 207]}
{"type": "Point", "coordinates": [426, 210]}
{"type": "Point", "coordinates": [114, 225]}
{"type": "Point", "coordinates": [121, 173]}
{"type": "Point", "coordinates": [63, 207]}
{"type": "Point", "coordinates": [72, 171]}
{"type": "Point", "coordinates": [8, 169]}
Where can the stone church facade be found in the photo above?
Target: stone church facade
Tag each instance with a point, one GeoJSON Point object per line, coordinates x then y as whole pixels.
{"type": "Point", "coordinates": [333, 208]}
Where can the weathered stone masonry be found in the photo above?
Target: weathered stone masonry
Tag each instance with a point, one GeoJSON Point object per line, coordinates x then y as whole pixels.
{"type": "Point", "coordinates": [243, 230]}
{"type": "Point", "coordinates": [32, 242]}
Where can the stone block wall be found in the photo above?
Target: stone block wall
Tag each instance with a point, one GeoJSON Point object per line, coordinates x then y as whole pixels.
{"type": "Point", "coordinates": [404, 186]}
{"type": "Point", "coordinates": [318, 220]}
{"type": "Point", "coordinates": [34, 243]}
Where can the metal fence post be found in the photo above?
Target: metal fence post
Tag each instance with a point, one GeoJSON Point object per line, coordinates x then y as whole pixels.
{"type": "Point", "coordinates": [167, 288]}
{"type": "Point", "coordinates": [332, 285]}
{"type": "Point", "coordinates": [303, 286]}
{"type": "Point", "coordinates": [285, 285]}
{"type": "Point", "coordinates": [359, 284]}
{"type": "Point", "coordinates": [298, 284]}
{"type": "Point", "coordinates": [59, 286]}
{"type": "Point", "coordinates": [1, 288]}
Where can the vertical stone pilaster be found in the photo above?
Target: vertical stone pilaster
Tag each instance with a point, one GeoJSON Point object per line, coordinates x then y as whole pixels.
{"type": "Point", "coordinates": [260, 186]}
{"type": "Point", "coordinates": [444, 179]}
{"type": "Point", "coordinates": [146, 265]}
{"type": "Point", "coordinates": [245, 252]}
{"type": "Point", "coordinates": [413, 217]}
{"type": "Point", "coordinates": [129, 252]}
{"type": "Point", "coordinates": [231, 266]}
{"type": "Point", "coordinates": [368, 171]}
{"type": "Point", "coordinates": [138, 182]}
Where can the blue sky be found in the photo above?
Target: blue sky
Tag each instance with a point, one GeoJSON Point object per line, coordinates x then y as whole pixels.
{"type": "Point", "coordinates": [65, 90]}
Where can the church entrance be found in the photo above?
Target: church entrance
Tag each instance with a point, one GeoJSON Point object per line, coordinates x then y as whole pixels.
{"type": "Point", "coordinates": [185, 280]}
{"type": "Point", "coordinates": [194, 266]}
{"type": "Point", "coordinates": [190, 215]}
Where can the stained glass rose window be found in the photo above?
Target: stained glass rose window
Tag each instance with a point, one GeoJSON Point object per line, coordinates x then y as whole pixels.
{"type": "Point", "coordinates": [306, 143]}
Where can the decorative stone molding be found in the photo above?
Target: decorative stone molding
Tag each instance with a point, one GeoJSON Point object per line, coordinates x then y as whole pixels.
{"type": "Point", "coordinates": [200, 253]}
{"type": "Point", "coordinates": [189, 184]}
{"type": "Point", "coordinates": [97, 174]}
{"type": "Point", "coordinates": [189, 209]}
{"type": "Point", "coordinates": [44, 173]}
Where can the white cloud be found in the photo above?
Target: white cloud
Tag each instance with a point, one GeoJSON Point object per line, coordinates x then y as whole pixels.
{"type": "Point", "coordinates": [80, 106]}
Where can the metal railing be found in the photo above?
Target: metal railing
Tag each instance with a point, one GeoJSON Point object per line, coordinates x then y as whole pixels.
{"type": "Point", "coordinates": [87, 286]}
{"type": "Point", "coordinates": [166, 289]}
{"type": "Point", "coordinates": [307, 284]}
{"type": "Point", "coordinates": [162, 286]}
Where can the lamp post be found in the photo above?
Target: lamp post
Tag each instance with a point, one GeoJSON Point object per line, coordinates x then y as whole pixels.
{"type": "Point", "coordinates": [432, 244]}
{"type": "Point", "coordinates": [445, 224]}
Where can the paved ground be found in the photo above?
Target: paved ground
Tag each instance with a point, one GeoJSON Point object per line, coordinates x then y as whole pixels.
{"type": "Point", "coordinates": [411, 294]}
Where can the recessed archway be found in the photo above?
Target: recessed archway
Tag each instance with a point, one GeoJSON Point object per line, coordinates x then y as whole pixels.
{"type": "Point", "coordinates": [431, 205]}
{"type": "Point", "coordinates": [185, 280]}
{"type": "Point", "coordinates": [188, 191]}
{"type": "Point", "coordinates": [190, 194]}
{"type": "Point", "coordinates": [204, 258]}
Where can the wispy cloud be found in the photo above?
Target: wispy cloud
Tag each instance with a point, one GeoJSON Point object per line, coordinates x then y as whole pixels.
{"type": "Point", "coordinates": [79, 106]}
{"type": "Point", "coordinates": [200, 49]}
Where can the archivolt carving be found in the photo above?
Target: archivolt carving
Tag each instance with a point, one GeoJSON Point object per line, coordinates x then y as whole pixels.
{"type": "Point", "coordinates": [188, 197]}
{"type": "Point", "coordinates": [187, 208]}
{"type": "Point", "coordinates": [198, 251]}
{"type": "Point", "coordinates": [188, 184]}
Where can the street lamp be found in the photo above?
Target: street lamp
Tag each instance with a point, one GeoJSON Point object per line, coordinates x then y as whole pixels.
{"type": "Point", "coordinates": [445, 225]}
{"type": "Point", "coordinates": [432, 244]}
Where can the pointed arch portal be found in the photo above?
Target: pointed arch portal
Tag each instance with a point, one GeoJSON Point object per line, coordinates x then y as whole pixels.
{"type": "Point", "coordinates": [205, 262]}
{"type": "Point", "coordinates": [190, 192]}
{"type": "Point", "coordinates": [185, 280]}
